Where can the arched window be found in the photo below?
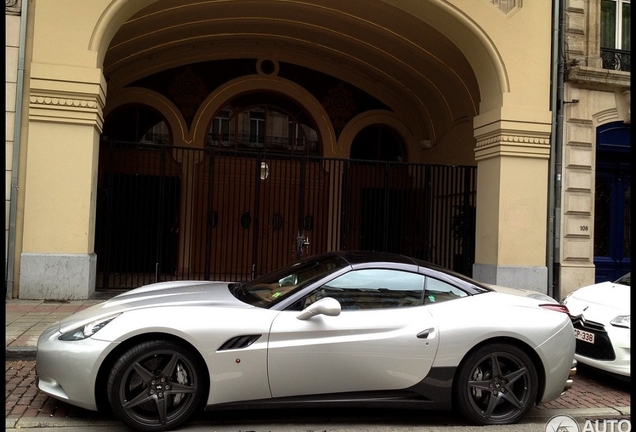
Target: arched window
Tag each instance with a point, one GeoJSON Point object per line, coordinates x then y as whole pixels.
{"type": "Point", "coordinates": [137, 123]}
{"type": "Point", "coordinates": [378, 143]}
{"type": "Point", "coordinates": [264, 123]}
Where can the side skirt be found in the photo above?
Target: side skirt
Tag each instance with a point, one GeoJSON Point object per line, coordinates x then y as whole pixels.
{"type": "Point", "coordinates": [433, 393]}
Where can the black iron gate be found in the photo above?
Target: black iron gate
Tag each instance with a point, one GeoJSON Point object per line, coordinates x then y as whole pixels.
{"type": "Point", "coordinates": [170, 213]}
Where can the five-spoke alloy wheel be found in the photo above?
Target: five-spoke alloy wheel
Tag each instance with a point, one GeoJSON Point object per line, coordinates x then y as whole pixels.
{"type": "Point", "coordinates": [496, 384]}
{"type": "Point", "coordinates": [155, 386]}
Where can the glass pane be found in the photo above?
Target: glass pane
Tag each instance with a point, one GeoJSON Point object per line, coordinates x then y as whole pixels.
{"type": "Point", "coordinates": [626, 43]}
{"type": "Point", "coordinates": [608, 24]}
{"type": "Point", "coordinates": [627, 252]}
{"type": "Point", "coordinates": [602, 219]}
{"type": "Point", "coordinates": [438, 291]}
{"type": "Point", "coordinates": [375, 289]}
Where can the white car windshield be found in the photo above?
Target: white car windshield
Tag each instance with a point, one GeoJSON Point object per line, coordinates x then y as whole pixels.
{"type": "Point", "coordinates": [625, 280]}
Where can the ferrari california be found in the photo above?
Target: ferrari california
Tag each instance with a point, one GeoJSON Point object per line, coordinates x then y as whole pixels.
{"type": "Point", "coordinates": [358, 328]}
{"type": "Point", "coordinates": [601, 318]}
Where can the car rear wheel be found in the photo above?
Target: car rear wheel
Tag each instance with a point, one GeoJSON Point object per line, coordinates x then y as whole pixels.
{"type": "Point", "coordinates": [155, 386]}
{"type": "Point", "coordinates": [496, 384]}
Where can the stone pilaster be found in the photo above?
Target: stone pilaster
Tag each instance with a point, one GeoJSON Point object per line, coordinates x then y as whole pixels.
{"type": "Point", "coordinates": [513, 164]}
{"type": "Point", "coordinates": [65, 121]}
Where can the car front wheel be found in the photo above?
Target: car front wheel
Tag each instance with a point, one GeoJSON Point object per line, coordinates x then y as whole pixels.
{"type": "Point", "coordinates": [496, 384]}
{"type": "Point", "coordinates": [155, 386]}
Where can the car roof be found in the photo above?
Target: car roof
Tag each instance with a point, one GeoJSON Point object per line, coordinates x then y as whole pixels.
{"type": "Point", "coordinates": [356, 257]}
{"type": "Point", "coordinates": [360, 257]}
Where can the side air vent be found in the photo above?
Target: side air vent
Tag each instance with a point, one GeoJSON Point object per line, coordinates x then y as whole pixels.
{"type": "Point", "coordinates": [239, 342]}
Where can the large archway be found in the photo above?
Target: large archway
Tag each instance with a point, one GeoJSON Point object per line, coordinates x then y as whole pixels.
{"type": "Point", "coordinates": [433, 66]}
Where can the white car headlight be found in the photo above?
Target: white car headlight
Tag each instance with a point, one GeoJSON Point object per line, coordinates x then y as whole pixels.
{"type": "Point", "coordinates": [565, 299]}
{"type": "Point", "coordinates": [87, 330]}
{"type": "Point", "coordinates": [621, 321]}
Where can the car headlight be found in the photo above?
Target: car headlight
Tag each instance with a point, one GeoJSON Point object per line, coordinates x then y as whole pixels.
{"type": "Point", "coordinates": [621, 321]}
{"type": "Point", "coordinates": [565, 299]}
{"type": "Point", "coordinates": [87, 330]}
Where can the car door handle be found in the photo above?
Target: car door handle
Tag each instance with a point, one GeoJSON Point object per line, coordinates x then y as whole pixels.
{"type": "Point", "coordinates": [424, 334]}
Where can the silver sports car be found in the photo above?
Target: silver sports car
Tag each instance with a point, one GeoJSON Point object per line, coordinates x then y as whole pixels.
{"type": "Point", "coordinates": [339, 328]}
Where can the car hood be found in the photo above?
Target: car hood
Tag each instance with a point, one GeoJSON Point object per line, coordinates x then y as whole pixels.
{"type": "Point", "coordinates": [600, 302]}
{"type": "Point", "coordinates": [605, 293]}
{"type": "Point", "coordinates": [182, 293]}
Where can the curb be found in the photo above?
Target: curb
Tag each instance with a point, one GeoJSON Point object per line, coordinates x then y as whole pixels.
{"type": "Point", "coordinates": [20, 353]}
{"type": "Point", "coordinates": [33, 423]}
{"type": "Point", "coordinates": [580, 413]}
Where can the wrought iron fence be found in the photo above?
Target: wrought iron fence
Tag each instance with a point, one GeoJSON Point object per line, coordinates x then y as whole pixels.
{"type": "Point", "coordinates": [170, 213]}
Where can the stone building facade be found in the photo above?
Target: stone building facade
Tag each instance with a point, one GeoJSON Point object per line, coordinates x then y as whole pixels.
{"type": "Point", "coordinates": [454, 82]}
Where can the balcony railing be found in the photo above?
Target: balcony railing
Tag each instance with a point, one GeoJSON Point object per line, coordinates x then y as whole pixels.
{"type": "Point", "coordinates": [251, 142]}
{"type": "Point", "coordinates": [616, 59]}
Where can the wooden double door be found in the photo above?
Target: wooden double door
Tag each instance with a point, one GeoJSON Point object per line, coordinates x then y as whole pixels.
{"type": "Point", "coordinates": [257, 213]}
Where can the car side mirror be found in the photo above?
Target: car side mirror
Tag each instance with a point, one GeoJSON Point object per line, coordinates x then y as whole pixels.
{"type": "Point", "coordinates": [326, 306]}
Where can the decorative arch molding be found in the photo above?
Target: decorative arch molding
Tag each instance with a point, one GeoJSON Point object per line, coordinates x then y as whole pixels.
{"type": "Point", "coordinates": [605, 116]}
{"type": "Point", "coordinates": [375, 117]}
{"type": "Point", "coordinates": [136, 95]}
{"type": "Point", "coordinates": [228, 91]}
{"type": "Point", "coordinates": [492, 74]}
{"type": "Point", "coordinates": [113, 17]}
{"type": "Point", "coordinates": [472, 39]}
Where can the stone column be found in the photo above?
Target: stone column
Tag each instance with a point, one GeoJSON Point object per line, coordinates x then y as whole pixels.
{"type": "Point", "coordinates": [512, 154]}
{"type": "Point", "coordinates": [65, 122]}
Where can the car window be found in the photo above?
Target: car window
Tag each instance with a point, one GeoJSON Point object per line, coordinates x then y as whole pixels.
{"type": "Point", "coordinates": [438, 291]}
{"type": "Point", "coordinates": [372, 289]}
{"type": "Point", "coordinates": [274, 287]}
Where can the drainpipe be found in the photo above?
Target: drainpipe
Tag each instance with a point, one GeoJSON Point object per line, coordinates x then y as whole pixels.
{"type": "Point", "coordinates": [15, 163]}
{"type": "Point", "coordinates": [556, 144]}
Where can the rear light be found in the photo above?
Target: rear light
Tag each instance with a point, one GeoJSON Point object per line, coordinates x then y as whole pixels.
{"type": "Point", "coordinates": [556, 308]}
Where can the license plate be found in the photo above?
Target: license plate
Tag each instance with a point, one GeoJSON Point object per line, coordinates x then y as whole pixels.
{"type": "Point", "coordinates": [584, 336]}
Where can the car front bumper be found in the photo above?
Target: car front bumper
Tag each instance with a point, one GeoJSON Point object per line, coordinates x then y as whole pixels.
{"type": "Point", "coordinates": [68, 370]}
{"type": "Point", "coordinates": [610, 351]}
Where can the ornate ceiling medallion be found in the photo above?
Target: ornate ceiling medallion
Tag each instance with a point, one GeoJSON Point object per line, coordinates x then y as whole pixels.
{"type": "Point", "coordinates": [188, 90]}
{"type": "Point", "coordinates": [340, 105]}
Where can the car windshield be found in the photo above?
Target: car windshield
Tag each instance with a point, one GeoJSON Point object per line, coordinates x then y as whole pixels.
{"type": "Point", "coordinates": [273, 287]}
{"type": "Point", "coordinates": [625, 280]}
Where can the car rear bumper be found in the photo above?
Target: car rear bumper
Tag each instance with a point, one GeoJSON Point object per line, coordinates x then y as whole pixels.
{"type": "Point", "coordinates": [560, 366]}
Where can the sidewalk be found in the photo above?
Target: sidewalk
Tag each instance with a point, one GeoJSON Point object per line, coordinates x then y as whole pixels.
{"type": "Point", "coordinates": [592, 395]}
{"type": "Point", "coordinates": [26, 319]}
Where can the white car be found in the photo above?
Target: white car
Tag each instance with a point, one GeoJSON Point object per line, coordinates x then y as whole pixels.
{"type": "Point", "coordinates": [360, 328]}
{"type": "Point", "coordinates": [601, 318]}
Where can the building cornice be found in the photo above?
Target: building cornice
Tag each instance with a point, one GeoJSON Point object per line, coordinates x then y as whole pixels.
{"type": "Point", "coordinates": [75, 109]}
{"type": "Point", "coordinates": [511, 145]}
{"type": "Point", "coordinates": [599, 78]}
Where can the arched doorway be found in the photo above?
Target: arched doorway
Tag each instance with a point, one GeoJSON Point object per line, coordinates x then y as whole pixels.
{"type": "Point", "coordinates": [379, 186]}
{"type": "Point", "coordinates": [612, 209]}
{"type": "Point", "coordinates": [137, 198]}
{"type": "Point", "coordinates": [263, 188]}
{"type": "Point", "coordinates": [378, 143]}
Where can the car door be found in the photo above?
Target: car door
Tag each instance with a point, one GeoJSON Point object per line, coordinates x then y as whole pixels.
{"type": "Point", "coordinates": [383, 339]}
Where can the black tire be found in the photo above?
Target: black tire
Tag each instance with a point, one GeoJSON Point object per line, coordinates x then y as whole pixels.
{"type": "Point", "coordinates": [496, 384]}
{"type": "Point", "coordinates": [156, 385]}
